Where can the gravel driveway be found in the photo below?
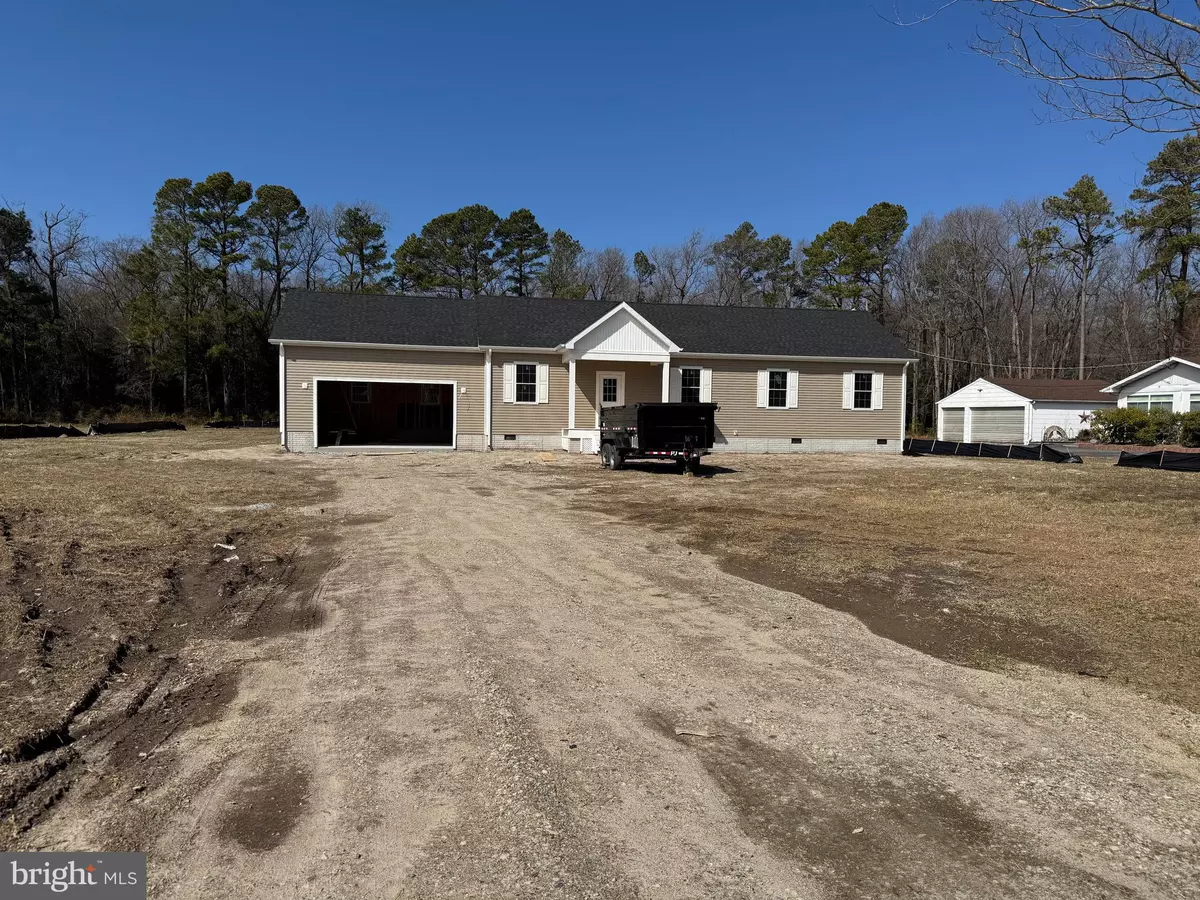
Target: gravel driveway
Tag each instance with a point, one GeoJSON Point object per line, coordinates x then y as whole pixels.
{"type": "Point", "coordinates": [509, 697]}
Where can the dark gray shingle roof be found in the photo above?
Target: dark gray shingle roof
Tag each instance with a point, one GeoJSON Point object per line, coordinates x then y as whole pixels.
{"type": "Point", "coordinates": [375, 319]}
{"type": "Point", "coordinates": [541, 322]}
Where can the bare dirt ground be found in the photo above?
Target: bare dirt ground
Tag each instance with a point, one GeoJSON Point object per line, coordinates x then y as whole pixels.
{"type": "Point", "coordinates": [521, 676]}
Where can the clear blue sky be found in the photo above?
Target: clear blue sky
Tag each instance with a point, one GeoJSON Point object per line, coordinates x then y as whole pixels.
{"type": "Point", "coordinates": [626, 123]}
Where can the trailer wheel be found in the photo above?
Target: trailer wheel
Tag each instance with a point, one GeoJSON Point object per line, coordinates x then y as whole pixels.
{"type": "Point", "coordinates": [617, 459]}
{"type": "Point", "coordinates": [680, 465]}
{"type": "Point", "coordinates": [606, 456]}
{"type": "Point", "coordinates": [693, 465]}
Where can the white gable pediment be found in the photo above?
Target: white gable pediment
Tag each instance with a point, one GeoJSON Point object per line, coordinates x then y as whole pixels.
{"type": "Point", "coordinates": [621, 334]}
{"type": "Point", "coordinates": [982, 392]}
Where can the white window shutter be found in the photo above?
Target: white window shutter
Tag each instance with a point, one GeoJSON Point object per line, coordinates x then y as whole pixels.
{"type": "Point", "coordinates": [793, 389]}
{"type": "Point", "coordinates": [510, 382]}
{"type": "Point", "coordinates": [847, 390]}
{"type": "Point", "coordinates": [543, 383]}
{"type": "Point", "coordinates": [676, 384]}
{"type": "Point", "coordinates": [763, 378]}
{"type": "Point", "coordinates": [876, 390]}
{"type": "Point", "coordinates": [706, 385]}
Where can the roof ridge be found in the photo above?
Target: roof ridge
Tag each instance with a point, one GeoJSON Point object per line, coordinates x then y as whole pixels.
{"type": "Point", "coordinates": [633, 304]}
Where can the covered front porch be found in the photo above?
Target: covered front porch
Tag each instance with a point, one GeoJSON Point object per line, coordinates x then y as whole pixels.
{"type": "Point", "coordinates": [619, 360]}
{"type": "Point", "coordinates": [609, 383]}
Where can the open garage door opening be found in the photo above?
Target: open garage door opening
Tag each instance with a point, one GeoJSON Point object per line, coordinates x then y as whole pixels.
{"type": "Point", "coordinates": [385, 414]}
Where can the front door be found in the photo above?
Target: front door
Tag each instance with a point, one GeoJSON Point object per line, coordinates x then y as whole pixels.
{"type": "Point", "coordinates": [610, 391]}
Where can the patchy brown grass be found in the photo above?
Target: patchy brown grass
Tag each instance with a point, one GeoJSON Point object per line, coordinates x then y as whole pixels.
{"type": "Point", "coordinates": [1087, 569]}
{"type": "Point", "coordinates": [107, 567]}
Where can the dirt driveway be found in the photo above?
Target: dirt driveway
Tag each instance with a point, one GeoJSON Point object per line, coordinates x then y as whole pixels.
{"type": "Point", "coordinates": [510, 693]}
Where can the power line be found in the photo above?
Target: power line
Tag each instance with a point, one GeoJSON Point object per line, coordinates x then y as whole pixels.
{"type": "Point", "coordinates": [976, 362]}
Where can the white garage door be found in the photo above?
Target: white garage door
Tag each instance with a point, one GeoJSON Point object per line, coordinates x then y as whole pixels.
{"type": "Point", "coordinates": [952, 424]}
{"type": "Point", "coordinates": [1001, 425]}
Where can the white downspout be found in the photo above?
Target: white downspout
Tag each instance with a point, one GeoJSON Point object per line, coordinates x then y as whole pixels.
{"type": "Point", "coordinates": [487, 399]}
{"type": "Point", "coordinates": [282, 398]}
{"type": "Point", "coordinates": [903, 403]}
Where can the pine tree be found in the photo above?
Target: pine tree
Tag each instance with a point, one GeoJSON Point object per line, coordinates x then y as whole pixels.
{"type": "Point", "coordinates": [456, 250]}
{"type": "Point", "coordinates": [522, 248]}
{"type": "Point", "coordinates": [358, 242]}
{"type": "Point", "coordinates": [563, 276]}
{"type": "Point", "coordinates": [276, 218]}
{"type": "Point", "coordinates": [1086, 212]}
{"type": "Point", "coordinates": [1167, 220]}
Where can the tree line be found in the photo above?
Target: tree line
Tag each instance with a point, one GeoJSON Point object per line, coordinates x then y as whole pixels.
{"type": "Point", "coordinates": [177, 322]}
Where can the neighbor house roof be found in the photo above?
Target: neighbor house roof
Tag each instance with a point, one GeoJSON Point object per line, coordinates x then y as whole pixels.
{"type": "Point", "coordinates": [527, 322]}
{"type": "Point", "coordinates": [1168, 363]}
{"type": "Point", "coordinates": [1063, 390]}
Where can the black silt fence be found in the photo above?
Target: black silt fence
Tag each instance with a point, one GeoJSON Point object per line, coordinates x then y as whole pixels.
{"type": "Point", "coordinates": [134, 427]}
{"type": "Point", "coordinates": [38, 431]}
{"type": "Point", "coordinates": [1042, 452]}
{"type": "Point", "coordinates": [1170, 460]}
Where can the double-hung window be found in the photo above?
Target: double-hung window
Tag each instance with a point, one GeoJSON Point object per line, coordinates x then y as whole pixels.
{"type": "Point", "coordinates": [863, 388]}
{"type": "Point", "coordinates": [360, 393]}
{"type": "Point", "coordinates": [689, 385]}
{"type": "Point", "coordinates": [526, 383]}
{"type": "Point", "coordinates": [1152, 401]}
{"type": "Point", "coordinates": [777, 389]}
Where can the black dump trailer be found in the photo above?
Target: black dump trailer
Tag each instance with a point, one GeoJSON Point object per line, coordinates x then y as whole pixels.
{"type": "Point", "coordinates": [680, 432]}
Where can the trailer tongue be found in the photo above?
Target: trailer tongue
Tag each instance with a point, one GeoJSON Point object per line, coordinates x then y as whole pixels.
{"type": "Point", "coordinates": [680, 432]}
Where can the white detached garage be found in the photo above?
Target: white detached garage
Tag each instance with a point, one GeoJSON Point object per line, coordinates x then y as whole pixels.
{"type": "Point", "coordinates": [1019, 410]}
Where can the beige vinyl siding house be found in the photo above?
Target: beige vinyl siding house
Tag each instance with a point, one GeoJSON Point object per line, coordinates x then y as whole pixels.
{"type": "Point", "coordinates": [526, 373]}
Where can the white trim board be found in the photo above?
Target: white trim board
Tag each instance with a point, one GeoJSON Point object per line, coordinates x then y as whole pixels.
{"type": "Point", "coordinates": [769, 357]}
{"type": "Point", "coordinates": [437, 347]}
{"type": "Point", "coordinates": [453, 445]}
{"type": "Point", "coordinates": [560, 349]}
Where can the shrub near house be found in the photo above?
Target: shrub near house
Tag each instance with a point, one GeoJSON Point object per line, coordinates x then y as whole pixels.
{"type": "Point", "coordinates": [1141, 426]}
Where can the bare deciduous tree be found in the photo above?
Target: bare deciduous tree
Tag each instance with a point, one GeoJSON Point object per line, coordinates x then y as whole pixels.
{"type": "Point", "coordinates": [58, 246]}
{"type": "Point", "coordinates": [1134, 64]}
{"type": "Point", "coordinates": [606, 274]}
{"type": "Point", "coordinates": [681, 272]}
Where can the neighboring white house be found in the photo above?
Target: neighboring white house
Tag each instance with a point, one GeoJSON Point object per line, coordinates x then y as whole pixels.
{"type": "Point", "coordinates": [1173, 384]}
{"type": "Point", "coordinates": [1018, 410]}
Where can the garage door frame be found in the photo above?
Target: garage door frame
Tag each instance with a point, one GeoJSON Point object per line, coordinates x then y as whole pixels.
{"type": "Point", "coordinates": [453, 445]}
{"type": "Point", "coordinates": [977, 411]}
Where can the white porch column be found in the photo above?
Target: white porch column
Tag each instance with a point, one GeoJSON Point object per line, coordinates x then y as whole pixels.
{"type": "Point", "coordinates": [666, 386]}
{"type": "Point", "coordinates": [571, 393]}
{"type": "Point", "coordinates": [487, 399]}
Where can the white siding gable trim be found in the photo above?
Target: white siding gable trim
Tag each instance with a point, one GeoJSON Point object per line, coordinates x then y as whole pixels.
{"type": "Point", "coordinates": [622, 333]}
